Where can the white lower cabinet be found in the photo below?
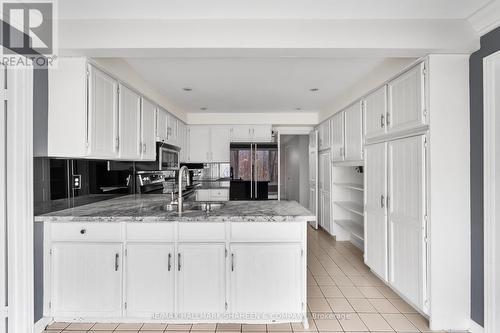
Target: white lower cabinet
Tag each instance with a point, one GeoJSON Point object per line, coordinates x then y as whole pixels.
{"type": "Point", "coordinates": [175, 271]}
{"type": "Point", "coordinates": [86, 279]}
{"type": "Point", "coordinates": [266, 278]}
{"type": "Point", "coordinates": [149, 275]}
{"type": "Point", "coordinates": [201, 278]}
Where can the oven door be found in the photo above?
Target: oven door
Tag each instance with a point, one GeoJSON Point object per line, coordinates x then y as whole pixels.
{"type": "Point", "coordinates": [168, 159]}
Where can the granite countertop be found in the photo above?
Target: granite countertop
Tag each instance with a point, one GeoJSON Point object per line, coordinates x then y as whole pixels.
{"type": "Point", "coordinates": [151, 208]}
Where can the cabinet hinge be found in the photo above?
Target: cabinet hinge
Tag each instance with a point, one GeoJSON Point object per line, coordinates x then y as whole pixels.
{"type": "Point", "coordinates": [3, 94]}
{"type": "Point", "coordinates": [125, 305]}
{"type": "Point", "coordinates": [118, 89]}
{"type": "Point", "coordinates": [126, 252]}
{"type": "Point", "coordinates": [424, 70]}
{"type": "Point", "coordinates": [225, 305]}
{"type": "Point", "coordinates": [50, 251]}
{"type": "Point", "coordinates": [425, 142]}
{"type": "Point", "coordinates": [301, 252]}
{"type": "Point", "coordinates": [225, 252]}
{"type": "Point", "coordinates": [50, 305]}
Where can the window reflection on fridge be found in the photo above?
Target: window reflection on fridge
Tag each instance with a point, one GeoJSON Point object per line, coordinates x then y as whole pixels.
{"type": "Point", "coordinates": [254, 171]}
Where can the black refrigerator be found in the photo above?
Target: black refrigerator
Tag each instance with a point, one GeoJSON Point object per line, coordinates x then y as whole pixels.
{"type": "Point", "coordinates": [254, 171]}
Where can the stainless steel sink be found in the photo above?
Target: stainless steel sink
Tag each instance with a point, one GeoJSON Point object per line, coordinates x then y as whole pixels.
{"type": "Point", "coordinates": [204, 206]}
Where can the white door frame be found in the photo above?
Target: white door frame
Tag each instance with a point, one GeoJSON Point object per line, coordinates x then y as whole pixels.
{"type": "Point", "coordinates": [19, 201]}
{"type": "Point", "coordinates": [491, 79]}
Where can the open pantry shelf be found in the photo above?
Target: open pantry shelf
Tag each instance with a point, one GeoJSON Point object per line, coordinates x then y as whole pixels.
{"type": "Point", "coordinates": [351, 206]}
{"type": "Point", "coordinates": [355, 228]}
{"type": "Point", "coordinates": [352, 186]}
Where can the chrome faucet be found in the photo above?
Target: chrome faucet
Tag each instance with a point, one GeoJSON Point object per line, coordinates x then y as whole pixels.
{"type": "Point", "coordinates": [182, 170]}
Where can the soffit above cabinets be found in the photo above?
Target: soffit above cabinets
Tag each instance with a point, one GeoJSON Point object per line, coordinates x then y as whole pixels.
{"type": "Point", "coordinates": [265, 9]}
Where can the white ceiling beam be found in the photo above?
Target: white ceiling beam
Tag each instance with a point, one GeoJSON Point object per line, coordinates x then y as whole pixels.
{"type": "Point", "coordinates": [181, 38]}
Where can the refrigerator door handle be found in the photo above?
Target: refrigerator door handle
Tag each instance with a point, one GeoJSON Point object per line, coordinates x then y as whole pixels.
{"type": "Point", "coordinates": [256, 170]}
{"type": "Point", "coordinates": [251, 171]}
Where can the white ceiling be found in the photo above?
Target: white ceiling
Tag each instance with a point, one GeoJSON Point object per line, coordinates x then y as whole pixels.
{"type": "Point", "coordinates": [275, 9]}
{"type": "Point", "coordinates": [253, 84]}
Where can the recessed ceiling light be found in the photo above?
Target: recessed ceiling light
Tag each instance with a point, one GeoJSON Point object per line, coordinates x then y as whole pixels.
{"type": "Point", "coordinates": [187, 89]}
{"type": "Point", "coordinates": [298, 109]}
{"type": "Point", "coordinates": [203, 108]}
{"type": "Point", "coordinates": [314, 89]}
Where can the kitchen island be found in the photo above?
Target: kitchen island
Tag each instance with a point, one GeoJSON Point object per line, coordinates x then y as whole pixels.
{"type": "Point", "coordinates": [131, 259]}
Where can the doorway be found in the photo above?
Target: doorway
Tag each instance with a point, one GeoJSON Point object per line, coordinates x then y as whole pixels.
{"type": "Point", "coordinates": [491, 70]}
{"type": "Point", "coordinates": [294, 171]}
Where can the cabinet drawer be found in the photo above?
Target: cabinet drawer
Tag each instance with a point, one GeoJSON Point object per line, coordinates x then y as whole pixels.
{"type": "Point", "coordinates": [262, 231]}
{"type": "Point", "coordinates": [86, 231]}
{"type": "Point", "coordinates": [202, 195]}
{"type": "Point", "coordinates": [150, 231]}
{"type": "Point", "coordinates": [219, 195]}
{"type": "Point", "coordinates": [203, 231]}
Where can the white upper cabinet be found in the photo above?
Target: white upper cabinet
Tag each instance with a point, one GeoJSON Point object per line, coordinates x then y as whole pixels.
{"type": "Point", "coordinates": [129, 124]}
{"type": "Point", "coordinates": [148, 142]}
{"type": "Point", "coordinates": [199, 143]}
{"type": "Point", "coordinates": [406, 100]}
{"type": "Point", "coordinates": [338, 137]}
{"type": "Point", "coordinates": [219, 143]}
{"type": "Point", "coordinates": [161, 124]}
{"type": "Point", "coordinates": [375, 112]}
{"type": "Point", "coordinates": [251, 133]}
{"type": "Point", "coordinates": [150, 283]}
{"type": "Point", "coordinates": [353, 133]}
{"type": "Point", "coordinates": [86, 279]}
{"type": "Point", "coordinates": [201, 271]}
{"type": "Point", "coordinates": [376, 208]}
{"type": "Point", "coordinates": [277, 286]}
{"type": "Point", "coordinates": [261, 133]}
{"type": "Point", "coordinates": [209, 143]}
{"type": "Point", "coordinates": [103, 137]}
{"type": "Point", "coordinates": [324, 135]}
{"type": "Point", "coordinates": [182, 140]}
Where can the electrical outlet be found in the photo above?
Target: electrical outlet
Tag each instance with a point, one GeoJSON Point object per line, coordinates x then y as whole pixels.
{"type": "Point", "coordinates": [77, 182]}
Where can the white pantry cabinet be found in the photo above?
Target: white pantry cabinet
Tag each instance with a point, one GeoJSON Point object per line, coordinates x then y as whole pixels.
{"type": "Point", "coordinates": [338, 138]}
{"type": "Point", "coordinates": [275, 288]}
{"type": "Point", "coordinates": [150, 283]}
{"type": "Point", "coordinates": [208, 143]}
{"type": "Point", "coordinates": [103, 132]}
{"type": "Point", "coordinates": [148, 142]}
{"type": "Point", "coordinates": [86, 279]}
{"type": "Point", "coordinates": [406, 211]}
{"type": "Point", "coordinates": [353, 150]}
{"type": "Point", "coordinates": [324, 187]}
{"type": "Point", "coordinates": [129, 124]}
{"type": "Point", "coordinates": [407, 100]}
{"type": "Point", "coordinates": [375, 113]}
{"type": "Point", "coordinates": [375, 217]}
{"type": "Point", "coordinates": [201, 275]}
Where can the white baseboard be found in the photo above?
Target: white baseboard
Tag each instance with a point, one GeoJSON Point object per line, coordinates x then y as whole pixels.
{"type": "Point", "coordinates": [475, 327]}
{"type": "Point", "coordinates": [41, 324]}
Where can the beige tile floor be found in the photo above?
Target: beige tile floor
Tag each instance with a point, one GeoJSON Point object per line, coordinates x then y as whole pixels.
{"type": "Point", "coordinates": [343, 296]}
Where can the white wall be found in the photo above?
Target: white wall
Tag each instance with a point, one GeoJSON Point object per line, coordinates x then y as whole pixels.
{"type": "Point", "coordinates": [274, 118]}
{"type": "Point", "coordinates": [374, 79]}
{"type": "Point", "coordinates": [122, 70]}
{"type": "Point", "coordinates": [294, 155]}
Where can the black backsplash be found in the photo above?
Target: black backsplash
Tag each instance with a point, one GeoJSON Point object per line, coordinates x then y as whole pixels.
{"type": "Point", "coordinates": [53, 182]}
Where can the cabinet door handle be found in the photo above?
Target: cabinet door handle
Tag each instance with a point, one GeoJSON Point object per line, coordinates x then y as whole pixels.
{"type": "Point", "coordinates": [382, 121]}
{"type": "Point", "coordinates": [382, 201]}
{"type": "Point", "coordinates": [232, 262]}
{"type": "Point", "coordinates": [117, 265]}
{"type": "Point", "coordinates": [169, 260]}
{"type": "Point", "coordinates": [178, 261]}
